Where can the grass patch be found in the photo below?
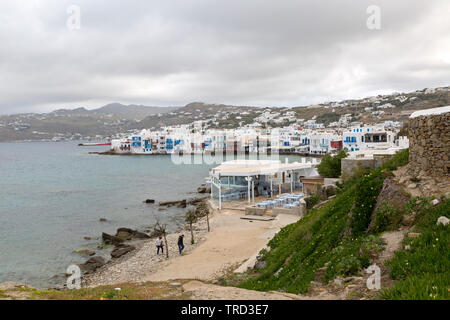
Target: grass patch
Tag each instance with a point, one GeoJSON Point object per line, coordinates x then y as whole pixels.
{"type": "Point", "coordinates": [3, 294]}
{"type": "Point", "coordinates": [387, 218]}
{"type": "Point", "coordinates": [128, 291]}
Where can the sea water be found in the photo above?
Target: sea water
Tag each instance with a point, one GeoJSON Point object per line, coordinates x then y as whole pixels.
{"type": "Point", "coordinates": [53, 194]}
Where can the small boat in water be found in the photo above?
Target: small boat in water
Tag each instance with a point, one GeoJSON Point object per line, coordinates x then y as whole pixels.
{"type": "Point", "coordinates": [93, 144]}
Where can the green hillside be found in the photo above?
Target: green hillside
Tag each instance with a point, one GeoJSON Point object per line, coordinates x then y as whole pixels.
{"type": "Point", "coordinates": [335, 235]}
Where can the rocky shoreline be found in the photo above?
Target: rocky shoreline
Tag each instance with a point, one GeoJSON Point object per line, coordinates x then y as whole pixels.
{"type": "Point", "coordinates": [134, 252]}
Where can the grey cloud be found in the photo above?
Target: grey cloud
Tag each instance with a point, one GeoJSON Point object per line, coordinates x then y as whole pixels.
{"type": "Point", "coordinates": [241, 52]}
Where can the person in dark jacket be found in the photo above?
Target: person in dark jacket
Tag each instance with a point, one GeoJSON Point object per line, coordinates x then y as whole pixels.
{"type": "Point", "coordinates": [180, 243]}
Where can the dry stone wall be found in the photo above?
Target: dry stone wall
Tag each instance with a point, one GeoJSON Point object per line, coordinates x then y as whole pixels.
{"type": "Point", "coordinates": [429, 148]}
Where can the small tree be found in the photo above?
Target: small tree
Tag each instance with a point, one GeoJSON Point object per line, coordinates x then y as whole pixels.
{"type": "Point", "coordinates": [330, 167]}
{"type": "Point", "coordinates": [207, 218]}
{"type": "Point", "coordinates": [191, 218]}
{"type": "Point", "coordinates": [162, 230]}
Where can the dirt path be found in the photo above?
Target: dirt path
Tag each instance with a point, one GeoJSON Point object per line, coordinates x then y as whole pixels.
{"type": "Point", "coordinates": [393, 241]}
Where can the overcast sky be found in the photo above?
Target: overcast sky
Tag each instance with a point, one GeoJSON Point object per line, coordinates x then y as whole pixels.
{"type": "Point", "coordinates": [246, 52]}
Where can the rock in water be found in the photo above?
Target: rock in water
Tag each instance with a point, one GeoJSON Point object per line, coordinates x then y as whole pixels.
{"type": "Point", "coordinates": [121, 250]}
{"type": "Point", "coordinates": [182, 204]}
{"type": "Point", "coordinates": [92, 264]}
{"type": "Point", "coordinates": [128, 234]}
{"type": "Point", "coordinates": [172, 203]}
{"type": "Point", "coordinates": [109, 239]}
{"type": "Point", "coordinates": [201, 189]}
{"type": "Point", "coordinates": [125, 233]}
{"type": "Point", "coordinates": [149, 201]}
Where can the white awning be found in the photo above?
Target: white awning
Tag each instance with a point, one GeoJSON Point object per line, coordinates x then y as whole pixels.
{"type": "Point", "coordinates": [245, 168]}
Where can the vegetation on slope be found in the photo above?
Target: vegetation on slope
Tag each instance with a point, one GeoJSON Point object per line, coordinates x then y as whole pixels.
{"type": "Point", "coordinates": [423, 271]}
{"type": "Point", "coordinates": [333, 235]}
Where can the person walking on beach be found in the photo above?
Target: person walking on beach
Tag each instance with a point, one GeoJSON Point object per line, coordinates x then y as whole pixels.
{"type": "Point", "coordinates": [180, 243]}
{"type": "Point", "coordinates": [159, 245]}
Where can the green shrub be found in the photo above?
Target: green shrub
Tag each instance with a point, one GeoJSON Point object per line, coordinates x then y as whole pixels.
{"type": "Point", "coordinates": [330, 191]}
{"type": "Point", "coordinates": [111, 294]}
{"type": "Point", "coordinates": [311, 201]}
{"type": "Point", "coordinates": [387, 217]}
{"type": "Point", "coordinates": [419, 207]}
{"type": "Point", "coordinates": [330, 166]}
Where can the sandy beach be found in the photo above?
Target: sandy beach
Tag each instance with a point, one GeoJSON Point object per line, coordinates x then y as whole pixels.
{"type": "Point", "coordinates": [231, 242]}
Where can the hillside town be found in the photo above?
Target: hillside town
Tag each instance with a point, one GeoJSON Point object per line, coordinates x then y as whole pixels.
{"type": "Point", "coordinates": [375, 123]}
{"type": "Point", "coordinates": [303, 137]}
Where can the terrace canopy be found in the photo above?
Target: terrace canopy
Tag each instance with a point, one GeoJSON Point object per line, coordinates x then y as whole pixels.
{"type": "Point", "coordinates": [240, 173]}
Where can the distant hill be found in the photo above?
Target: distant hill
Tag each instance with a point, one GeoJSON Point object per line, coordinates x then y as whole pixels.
{"type": "Point", "coordinates": [196, 111]}
{"type": "Point", "coordinates": [131, 111]}
{"type": "Point", "coordinates": [115, 118]}
{"type": "Point", "coordinates": [137, 111]}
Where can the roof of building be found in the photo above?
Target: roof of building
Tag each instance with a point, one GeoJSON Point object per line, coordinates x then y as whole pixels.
{"type": "Point", "coordinates": [368, 154]}
{"type": "Point", "coordinates": [429, 112]}
{"type": "Point", "coordinates": [257, 167]}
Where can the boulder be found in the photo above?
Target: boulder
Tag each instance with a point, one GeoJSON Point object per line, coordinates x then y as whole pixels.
{"type": "Point", "coordinates": [90, 238]}
{"type": "Point", "coordinates": [110, 239]}
{"type": "Point", "coordinates": [408, 219]}
{"type": "Point", "coordinates": [182, 204]}
{"type": "Point", "coordinates": [121, 250]}
{"type": "Point", "coordinates": [125, 233]}
{"type": "Point", "coordinates": [128, 234]}
{"type": "Point", "coordinates": [201, 189]}
{"type": "Point", "coordinates": [102, 220]}
{"type": "Point", "coordinates": [204, 189]}
{"type": "Point", "coordinates": [443, 220]}
{"type": "Point", "coordinates": [92, 264]}
{"type": "Point", "coordinates": [149, 201]}
{"type": "Point", "coordinates": [393, 193]}
{"type": "Point", "coordinates": [172, 203]}
{"type": "Point", "coordinates": [260, 264]}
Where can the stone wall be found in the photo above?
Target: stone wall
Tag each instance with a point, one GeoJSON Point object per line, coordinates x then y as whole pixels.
{"type": "Point", "coordinates": [429, 145]}
{"type": "Point", "coordinates": [349, 165]}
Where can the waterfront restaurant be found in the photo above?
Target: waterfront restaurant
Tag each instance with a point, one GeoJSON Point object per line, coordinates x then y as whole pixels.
{"type": "Point", "coordinates": [241, 179]}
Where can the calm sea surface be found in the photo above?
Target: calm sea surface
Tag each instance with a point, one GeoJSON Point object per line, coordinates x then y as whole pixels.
{"type": "Point", "coordinates": [52, 195]}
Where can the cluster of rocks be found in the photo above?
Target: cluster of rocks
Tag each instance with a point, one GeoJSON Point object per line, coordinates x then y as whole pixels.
{"type": "Point", "coordinates": [429, 139]}
{"type": "Point", "coordinates": [126, 234]}
{"type": "Point", "coordinates": [143, 261]}
{"type": "Point", "coordinates": [120, 248]}
{"type": "Point", "coordinates": [178, 203]}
